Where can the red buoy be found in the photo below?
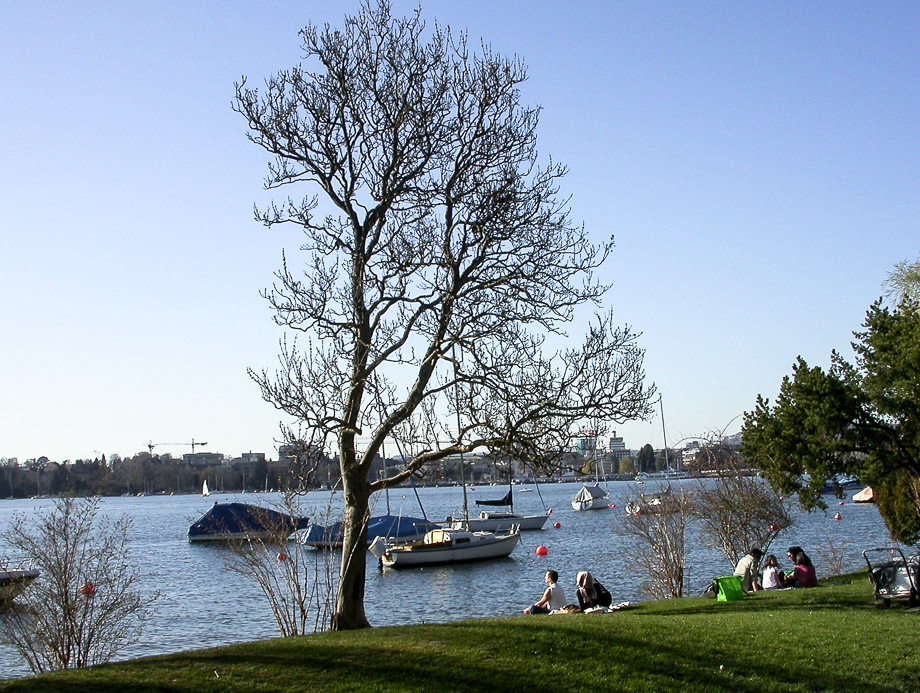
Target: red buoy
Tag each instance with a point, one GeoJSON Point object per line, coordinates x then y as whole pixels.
{"type": "Point", "coordinates": [840, 503]}
{"type": "Point", "coordinates": [556, 525]}
{"type": "Point", "coordinates": [282, 557]}
{"type": "Point", "coordinates": [614, 505]}
{"type": "Point", "coordinates": [772, 528]}
{"type": "Point", "coordinates": [542, 550]}
{"type": "Point", "coordinates": [837, 517]}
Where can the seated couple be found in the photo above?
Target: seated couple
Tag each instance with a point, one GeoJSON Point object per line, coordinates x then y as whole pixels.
{"type": "Point", "coordinates": [591, 594]}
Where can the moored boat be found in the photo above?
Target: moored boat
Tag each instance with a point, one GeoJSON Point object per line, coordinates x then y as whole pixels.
{"type": "Point", "coordinates": [491, 521]}
{"type": "Point", "coordinates": [499, 521]}
{"type": "Point", "coordinates": [589, 498]}
{"type": "Point", "coordinates": [867, 495]}
{"type": "Point", "coordinates": [441, 546]}
{"type": "Point", "coordinates": [394, 527]}
{"type": "Point", "coordinates": [234, 521]}
{"type": "Point", "coordinates": [14, 580]}
{"type": "Point", "coordinates": [654, 503]}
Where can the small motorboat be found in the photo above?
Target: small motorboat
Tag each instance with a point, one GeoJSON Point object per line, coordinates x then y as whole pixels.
{"type": "Point", "coordinates": [442, 546]}
{"type": "Point", "coordinates": [15, 579]}
{"type": "Point", "coordinates": [234, 521]}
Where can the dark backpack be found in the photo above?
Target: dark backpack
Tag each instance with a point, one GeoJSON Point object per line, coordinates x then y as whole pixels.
{"type": "Point", "coordinates": [603, 596]}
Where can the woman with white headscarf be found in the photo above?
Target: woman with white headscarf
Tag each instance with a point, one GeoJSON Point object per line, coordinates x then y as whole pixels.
{"type": "Point", "coordinates": [591, 593]}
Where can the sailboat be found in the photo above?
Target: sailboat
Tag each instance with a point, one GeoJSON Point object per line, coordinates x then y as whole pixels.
{"type": "Point", "coordinates": [447, 545]}
{"type": "Point", "coordinates": [237, 521]}
{"type": "Point", "coordinates": [499, 521]}
{"type": "Point", "coordinates": [455, 544]}
{"type": "Point", "coordinates": [592, 497]}
{"type": "Point", "coordinates": [204, 488]}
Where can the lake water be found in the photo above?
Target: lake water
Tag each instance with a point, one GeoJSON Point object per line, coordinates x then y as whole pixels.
{"type": "Point", "coordinates": [203, 604]}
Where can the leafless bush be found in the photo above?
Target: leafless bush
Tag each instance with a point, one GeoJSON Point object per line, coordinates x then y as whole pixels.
{"type": "Point", "coordinates": [832, 555]}
{"type": "Point", "coordinates": [657, 540]}
{"type": "Point", "coordinates": [298, 582]}
{"type": "Point", "coordinates": [85, 606]}
{"type": "Point", "coordinates": [738, 511]}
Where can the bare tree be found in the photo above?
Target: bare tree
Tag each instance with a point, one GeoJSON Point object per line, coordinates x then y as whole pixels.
{"type": "Point", "coordinates": [657, 534]}
{"type": "Point", "coordinates": [85, 606]}
{"type": "Point", "coordinates": [439, 258]}
{"type": "Point", "coordinates": [738, 511]}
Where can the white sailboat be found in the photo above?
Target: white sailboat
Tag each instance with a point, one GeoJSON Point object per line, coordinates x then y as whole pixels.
{"type": "Point", "coordinates": [453, 545]}
{"type": "Point", "coordinates": [592, 497]}
{"type": "Point", "coordinates": [445, 546]}
{"type": "Point", "coordinates": [501, 521]}
{"type": "Point", "coordinates": [204, 488]}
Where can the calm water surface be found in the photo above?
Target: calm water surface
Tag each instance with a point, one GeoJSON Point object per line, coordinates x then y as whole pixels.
{"type": "Point", "coordinates": [203, 604]}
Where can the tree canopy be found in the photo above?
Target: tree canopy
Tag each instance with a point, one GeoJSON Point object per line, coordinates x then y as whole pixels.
{"type": "Point", "coordinates": [439, 256]}
{"type": "Point", "coordinates": [861, 419]}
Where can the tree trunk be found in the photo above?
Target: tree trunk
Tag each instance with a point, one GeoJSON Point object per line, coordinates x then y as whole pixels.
{"type": "Point", "coordinates": [349, 606]}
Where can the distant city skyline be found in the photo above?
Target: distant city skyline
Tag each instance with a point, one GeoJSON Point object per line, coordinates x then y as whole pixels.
{"type": "Point", "coordinates": [757, 165]}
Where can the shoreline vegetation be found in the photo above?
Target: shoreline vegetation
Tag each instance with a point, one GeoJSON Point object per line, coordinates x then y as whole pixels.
{"type": "Point", "coordinates": [831, 638]}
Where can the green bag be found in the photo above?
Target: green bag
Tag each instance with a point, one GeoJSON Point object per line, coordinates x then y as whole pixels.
{"type": "Point", "coordinates": [728, 589]}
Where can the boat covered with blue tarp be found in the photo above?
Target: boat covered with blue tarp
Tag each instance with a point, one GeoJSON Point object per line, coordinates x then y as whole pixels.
{"type": "Point", "coordinates": [230, 521]}
{"type": "Point", "coordinates": [398, 527]}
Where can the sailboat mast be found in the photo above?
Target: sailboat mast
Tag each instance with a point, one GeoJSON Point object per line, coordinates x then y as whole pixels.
{"type": "Point", "coordinates": [466, 509]}
{"type": "Point", "coordinates": [387, 489]}
{"type": "Point", "coordinates": [664, 435]}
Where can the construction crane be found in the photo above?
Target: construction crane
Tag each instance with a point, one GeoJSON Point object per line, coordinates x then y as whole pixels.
{"type": "Point", "coordinates": [152, 445]}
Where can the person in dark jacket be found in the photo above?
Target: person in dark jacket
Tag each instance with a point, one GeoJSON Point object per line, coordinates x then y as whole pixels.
{"type": "Point", "coordinates": [591, 593]}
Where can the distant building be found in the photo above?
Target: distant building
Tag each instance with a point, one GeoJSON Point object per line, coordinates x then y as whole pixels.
{"type": "Point", "coordinates": [200, 460]}
{"type": "Point", "coordinates": [617, 448]}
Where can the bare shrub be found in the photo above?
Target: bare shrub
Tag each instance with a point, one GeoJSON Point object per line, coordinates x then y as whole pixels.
{"type": "Point", "coordinates": [656, 534]}
{"type": "Point", "coordinates": [832, 555]}
{"type": "Point", "coordinates": [297, 582]}
{"type": "Point", "coordinates": [738, 511]}
{"type": "Point", "coordinates": [85, 607]}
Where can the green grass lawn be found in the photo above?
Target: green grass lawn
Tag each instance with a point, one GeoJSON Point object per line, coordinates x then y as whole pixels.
{"type": "Point", "coordinates": [833, 638]}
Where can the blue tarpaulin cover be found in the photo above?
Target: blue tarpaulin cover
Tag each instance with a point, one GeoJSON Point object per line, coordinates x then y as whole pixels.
{"type": "Point", "coordinates": [236, 520]}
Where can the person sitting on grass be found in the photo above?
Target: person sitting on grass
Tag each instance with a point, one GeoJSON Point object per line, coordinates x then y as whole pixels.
{"type": "Point", "coordinates": [770, 579]}
{"type": "Point", "coordinates": [590, 592]}
{"type": "Point", "coordinates": [553, 597]}
{"type": "Point", "coordinates": [804, 573]}
{"type": "Point", "coordinates": [747, 570]}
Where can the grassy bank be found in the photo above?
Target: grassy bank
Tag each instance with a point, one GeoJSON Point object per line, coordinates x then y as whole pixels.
{"type": "Point", "coordinates": [831, 638]}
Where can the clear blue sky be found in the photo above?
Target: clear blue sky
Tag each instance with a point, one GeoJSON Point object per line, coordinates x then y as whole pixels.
{"type": "Point", "coordinates": [757, 163]}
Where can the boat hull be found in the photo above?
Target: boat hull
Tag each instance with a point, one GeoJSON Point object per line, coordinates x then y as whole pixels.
{"type": "Point", "coordinates": [592, 504]}
{"type": "Point", "coordinates": [14, 581]}
{"type": "Point", "coordinates": [417, 554]}
{"type": "Point", "coordinates": [501, 522]}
